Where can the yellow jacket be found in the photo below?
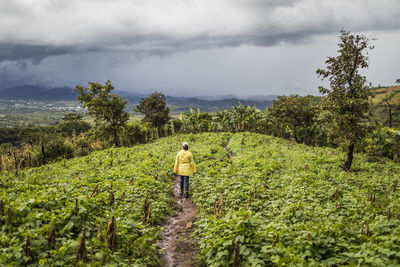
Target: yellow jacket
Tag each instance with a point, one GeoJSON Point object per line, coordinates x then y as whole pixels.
{"type": "Point", "coordinates": [184, 163]}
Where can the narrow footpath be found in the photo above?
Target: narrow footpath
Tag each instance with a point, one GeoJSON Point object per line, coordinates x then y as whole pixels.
{"type": "Point", "coordinates": [178, 249]}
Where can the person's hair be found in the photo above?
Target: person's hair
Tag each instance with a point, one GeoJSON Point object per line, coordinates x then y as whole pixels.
{"type": "Point", "coordinates": [185, 147]}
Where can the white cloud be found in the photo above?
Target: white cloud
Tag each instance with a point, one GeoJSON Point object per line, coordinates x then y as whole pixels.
{"type": "Point", "coordinates": [153, 24]}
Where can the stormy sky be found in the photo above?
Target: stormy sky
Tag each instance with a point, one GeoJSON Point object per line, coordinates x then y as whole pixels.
{"type": "Point", "coordinates": [191, 47]}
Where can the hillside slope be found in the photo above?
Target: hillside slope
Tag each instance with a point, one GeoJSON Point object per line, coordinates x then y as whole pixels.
{"type": "Point", "coordinates": [261, 201]}
{"type": "Point", "coordinates": [380, 110]}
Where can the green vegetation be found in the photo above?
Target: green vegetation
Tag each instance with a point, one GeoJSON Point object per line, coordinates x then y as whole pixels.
{"type": "Point", "coordinates": [155, 110]}
{"type": "Point", "coordinates": [284, 203]}
{"type": "Point", "coordinates": [108, 110]}
{"type": "Point", "coordinates": [262, 200]}
{"type": "Point", "coordinates": [385, 98]}
{"type": "Point", "coordinates": [275, 201]}
{"type": "Point", "coordinates": [347, 99]}
{"type": "Point", "coordinates": [44, 210]}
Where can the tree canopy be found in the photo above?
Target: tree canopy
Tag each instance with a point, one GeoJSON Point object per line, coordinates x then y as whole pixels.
{"type": "Point", "coordinates": [108, 110]}
{"type": "Point", "coordinates": [155, 110]}
{"type": "Point", "coordinates": [347, 99]}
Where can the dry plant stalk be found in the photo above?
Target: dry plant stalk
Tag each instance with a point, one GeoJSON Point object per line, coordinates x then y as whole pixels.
{"type": "Point", "coordinates": [82, 251]}
{"type": "Point", "coordinates": [95, 190]}
{"type": "Point", "coordinates": [218, 207]}
{"type": "Point", "coordinates": [395, 185]}
{"type": "Point", "coordinates": [309, 237]}
{"type": "Point", "coordinates": [367, 231]}
{"type": "Point", "coordinates": [122, 197]}
{"type": "Point", "coordinates": [389, 215]}
{"type": "Point", "coordinates": [131, 180]}
{"type": "Point", "coordinates": [112, 198]}
{"type": "Point", "coordinates": [112, 234]}
{"type": "Point", "coordinates": [148, 213]}
{"type": "Point", "coordinates": [52, 235]}
{"type": "Point", "coordinates": [146, 210]}
{"type": "Point", "coordinates": [100, 236]}
{"type": "Point", "coordinates": [9, 215]}
{"type": "Point", "coordinates": [249, 203]}
{"type": "Point", "coordinates": [336, 194]}
{"type": "Point", "coordinates": [28, 252]}
{"type": "Point", "coordinates": [236, 255]}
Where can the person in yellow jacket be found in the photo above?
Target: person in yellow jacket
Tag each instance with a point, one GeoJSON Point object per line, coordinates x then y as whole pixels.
{"type": "Point", "coordinates": [184, 167]}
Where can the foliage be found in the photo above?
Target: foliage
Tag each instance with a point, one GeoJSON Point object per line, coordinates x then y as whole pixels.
{"type": "Point", "coordinates": [383, 142]}
{"type": "Point", "coordinates": [381, 98]}
{"type": "Point", "coordinates": [348, 98]}
{"type": "Point", "coordinates": [134, 133]}
{"type": "Point", "coordinates": [73, 123]}
{"type": "Point", "coordinates": [290, 204]}
{"type": "Point", "coordinates": [84, 193]}
{"type": "Point", "coordinates": [283, 203]}
{"type": "Point", "coordinates": [195, 121]}
{"type": "Point", "coordinates": [296, 116]}
{"type": "Point", "coordinates": [107, 109]}
{"type": "Point", "coordinates": [240, 118]}
{"type": "Point", "coordinates": [155, 110]}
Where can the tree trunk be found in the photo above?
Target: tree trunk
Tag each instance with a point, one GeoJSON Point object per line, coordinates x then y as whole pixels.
{"type": "Point", "coordinates": [349, 160]}
{"type": "Point", "coordinates": [159, 131]}
{"type": "Point", "coordinates": [115, 133]}
{"type": "Point", "coordinates": [44, 155]}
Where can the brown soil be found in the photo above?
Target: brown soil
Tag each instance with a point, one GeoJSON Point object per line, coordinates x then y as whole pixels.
{"type": "Point", "coordinates": [178, 248]}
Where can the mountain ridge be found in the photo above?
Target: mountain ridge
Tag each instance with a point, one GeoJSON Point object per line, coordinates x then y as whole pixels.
{"type": "Point", "coordinates": [36, 92]}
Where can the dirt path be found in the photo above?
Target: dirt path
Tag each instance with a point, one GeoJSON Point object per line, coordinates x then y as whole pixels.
{"type": "Point", "coordinates": [178, 249]}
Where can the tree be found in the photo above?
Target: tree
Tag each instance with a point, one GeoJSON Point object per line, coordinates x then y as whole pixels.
{"type": "Point", "coordinates": [108, 110]}
{"type": "Point", "coordinates": [195, 121]}
{"type": "Point", "coordinates": [347, 100]}
{"type": "Point", "coordinates": [155, 110]}
{"type": "Point", "coordinates": [73, 123]}
{"type": "Point", "coordinates": [296, 114]}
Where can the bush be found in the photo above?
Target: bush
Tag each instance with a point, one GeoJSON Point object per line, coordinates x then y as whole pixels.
{"type": "Point", "coordinates": [134, 133]}
{"type": "Point", "coordinates": [59, 147]}
{"type": "Point", "coordinates": [383, 142]}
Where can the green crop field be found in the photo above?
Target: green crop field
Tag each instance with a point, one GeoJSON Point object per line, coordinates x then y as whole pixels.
{"type": "Point", "coordinates": [272, 201]}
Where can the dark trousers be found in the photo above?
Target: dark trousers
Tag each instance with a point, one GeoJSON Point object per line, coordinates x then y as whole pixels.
{"type": "Point", "coordinates": [185, 180]}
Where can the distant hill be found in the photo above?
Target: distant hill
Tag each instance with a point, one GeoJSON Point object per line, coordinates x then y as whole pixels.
{"type": "Point", "coordinates": [37, 93]}
{"type": "Point", "coordinates": [177, 104]}
{"type": "Point", "coordinates": [381, 96]}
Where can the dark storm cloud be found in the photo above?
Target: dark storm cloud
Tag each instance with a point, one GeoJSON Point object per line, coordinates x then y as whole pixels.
{"type": "Point", "coordinates": [36, 53]}
{"type": "Point", "coordinates": [41, 29]}
{"type": "Point", "coordinates": [176, 44]}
